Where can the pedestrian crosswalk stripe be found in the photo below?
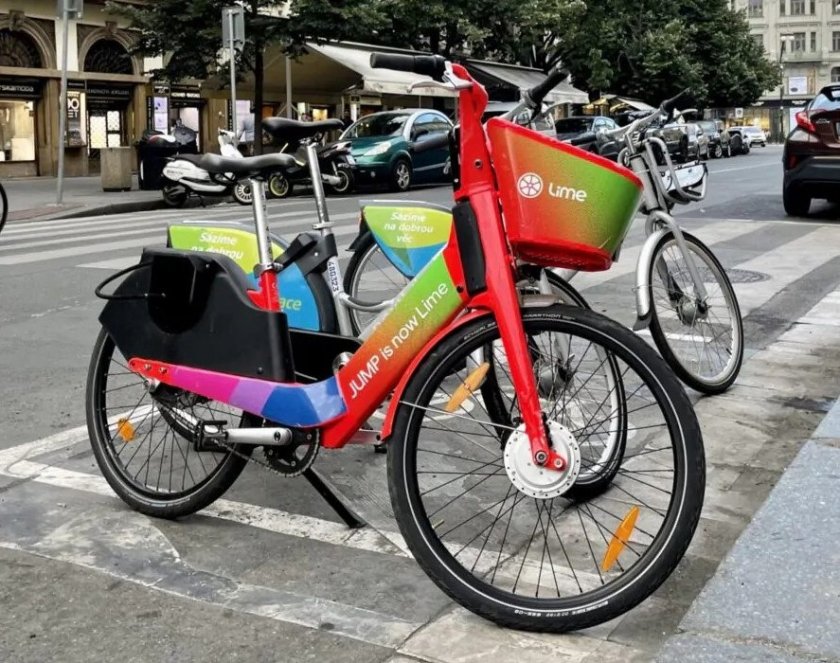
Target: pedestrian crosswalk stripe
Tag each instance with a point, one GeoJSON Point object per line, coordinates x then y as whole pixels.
{"type": "Point", "coordinates": [81, 237]}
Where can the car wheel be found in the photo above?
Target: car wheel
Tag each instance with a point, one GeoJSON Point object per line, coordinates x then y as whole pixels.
{"type": "Point", "coordinates": [401, 175]}
{"type": "Point", "coordinates": [717, 151]}
{"type": "Point", "coordinates": [795, 204]}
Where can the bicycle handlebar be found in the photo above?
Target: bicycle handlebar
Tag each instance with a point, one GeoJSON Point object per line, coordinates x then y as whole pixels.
{"type": "Point", "coordinates": [433, 66]}
{"type": "Point", "coordinates": [534, 97]}
{"type": "Point", "coordinates": [669, 105]}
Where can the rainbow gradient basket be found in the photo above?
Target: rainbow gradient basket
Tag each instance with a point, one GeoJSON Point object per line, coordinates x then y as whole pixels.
{"type": "Point", "coordinates": [562, 206]}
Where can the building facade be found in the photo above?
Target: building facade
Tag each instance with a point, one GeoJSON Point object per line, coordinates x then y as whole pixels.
{"type": "Point", "coordinates": [106, 89]}
{"type": "Point", "coordinates": [803, 38]}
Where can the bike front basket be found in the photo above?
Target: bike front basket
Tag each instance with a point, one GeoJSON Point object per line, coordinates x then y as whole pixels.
{"type": "Point", "coordinates": [562, 206]}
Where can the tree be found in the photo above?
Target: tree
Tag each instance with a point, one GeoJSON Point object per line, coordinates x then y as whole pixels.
{"type": "Point", "coordinates": [653, 49]}
{"type": "Point", "coordinates": [515, 31]}
{"type": "Point", "coordinates": [188, 35]}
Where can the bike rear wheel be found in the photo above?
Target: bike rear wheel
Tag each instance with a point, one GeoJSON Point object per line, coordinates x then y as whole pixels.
{"type": "Point", "coordinates": [702, 341]}
{"type": "Point", "coordinates": [146, 441]}
{"type": "Point", "coordinates": [512, 542]}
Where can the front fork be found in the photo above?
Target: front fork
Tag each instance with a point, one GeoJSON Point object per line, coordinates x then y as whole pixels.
{"type": "Point", "coordinates": [502, 298]}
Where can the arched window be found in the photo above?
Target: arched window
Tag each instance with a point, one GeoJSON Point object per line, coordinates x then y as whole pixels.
{"type": "Point", "coordinates": [18, 49]}
{"type": "Point", "coordinates": [835, 75]}
{"type": "Point", "coordinates": [108, 56]}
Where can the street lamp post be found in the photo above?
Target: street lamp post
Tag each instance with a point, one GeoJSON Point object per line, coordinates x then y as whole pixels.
{"type": "Point", "coordinates": [785, 39]}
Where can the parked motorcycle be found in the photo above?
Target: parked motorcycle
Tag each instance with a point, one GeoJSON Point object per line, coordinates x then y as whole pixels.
{"type": "Point", "coordinates": [184, 177]}
{"type": "Point", "coordinates": [336, 163]}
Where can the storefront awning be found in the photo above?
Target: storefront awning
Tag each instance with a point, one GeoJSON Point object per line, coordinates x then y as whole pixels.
{"type": "Point", "coordinates": [377, 81]}
{"type": "Point", "coordinates": [525, 77]}
{"type": "Point", "coordinates": [635, 104]}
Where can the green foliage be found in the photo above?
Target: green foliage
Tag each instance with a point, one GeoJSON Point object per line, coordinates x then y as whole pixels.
{"type": "Point", "coordinates": [652, 50]}
{"type": "Point", "coordinates": [189, 34]}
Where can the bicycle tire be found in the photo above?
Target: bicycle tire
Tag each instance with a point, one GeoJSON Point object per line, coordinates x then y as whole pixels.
{"type": "Point", "coordinates": [479, 594]}
{"type": "Point", "coordinates": [5, 212]}
{"type": "Point", "coordinates": [157, 503]}
{"type": "Point", "coordinates": [721, 381]}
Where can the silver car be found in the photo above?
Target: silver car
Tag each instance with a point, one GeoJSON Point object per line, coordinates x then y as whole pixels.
{"type": "Point", "coordinates": [753, 135]}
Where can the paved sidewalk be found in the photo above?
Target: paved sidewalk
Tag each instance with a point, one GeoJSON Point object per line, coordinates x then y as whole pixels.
{"type": "Point", "coordinates": [34, 198]}
{"type": "Point", "coordinates": [776, 597]}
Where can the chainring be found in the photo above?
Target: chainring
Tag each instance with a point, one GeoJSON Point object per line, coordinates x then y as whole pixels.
{"type": "Point", "coordinates": [289, 461]}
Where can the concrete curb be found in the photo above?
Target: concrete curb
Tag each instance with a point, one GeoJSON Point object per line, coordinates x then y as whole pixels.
{"type": "Point", "coordinates": [112, 208]}
{"type": "Point", "coordinates": [776, 595]}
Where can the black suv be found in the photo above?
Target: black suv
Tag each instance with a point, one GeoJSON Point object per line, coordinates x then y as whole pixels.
{"type": "Point", "coordinates": [811, 158]}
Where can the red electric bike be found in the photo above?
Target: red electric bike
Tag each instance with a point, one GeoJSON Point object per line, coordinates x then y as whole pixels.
{"type": "Point", "coordinates": [546, 467]}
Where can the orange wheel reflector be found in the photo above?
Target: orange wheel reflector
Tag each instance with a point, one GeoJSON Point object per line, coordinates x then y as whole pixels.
{"type": "Point", "coordinates": [125, 430]}
{"type": "Point", "coordinates": [620, 539]}
{"type": "Point", "coordinates": [467, 387]}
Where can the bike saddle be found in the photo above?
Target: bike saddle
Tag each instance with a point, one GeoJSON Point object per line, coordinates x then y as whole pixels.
{"type": "Point", "coordinates": [283, 130]}
{"type": "Point", "coordinates": [246, 166]}
{"type": "Point", "coordinates": [192, 158]}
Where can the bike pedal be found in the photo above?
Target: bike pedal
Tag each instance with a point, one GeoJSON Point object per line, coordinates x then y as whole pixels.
{"type": "Point", "coordinates": [209, 441]}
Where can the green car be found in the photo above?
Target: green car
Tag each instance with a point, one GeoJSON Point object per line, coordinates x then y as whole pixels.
{"type": "Point", "coordinates": [381, 145]}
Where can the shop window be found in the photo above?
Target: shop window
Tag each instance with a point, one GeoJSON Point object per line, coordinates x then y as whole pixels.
{"type": "Point", "coordinates": [108, 57]}
{"type": "Point", "coordinates": [17, 130]}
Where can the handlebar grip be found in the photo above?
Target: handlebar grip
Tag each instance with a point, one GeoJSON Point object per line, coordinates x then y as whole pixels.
{"type": "Point", "coordinates": [584, 138]}
{"type": "Point", "coordinates": [433, 66]}
{"type": "Point", "coordinates": [671, 104]}
{"type": "Point", "coordinates": [537, 93]}
{"type": "Point", "coordinates": [433, 143]}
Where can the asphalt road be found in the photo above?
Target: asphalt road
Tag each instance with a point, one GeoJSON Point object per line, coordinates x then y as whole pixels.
{"type": "Point", "coordinates": [271, 574]}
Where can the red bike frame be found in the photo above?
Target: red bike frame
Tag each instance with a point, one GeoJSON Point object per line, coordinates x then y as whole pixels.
{"type": "Point", "coordinates": [429, 309]}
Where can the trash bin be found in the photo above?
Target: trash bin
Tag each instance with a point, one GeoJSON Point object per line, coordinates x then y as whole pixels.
{"type": "Point", "coordinates": [152, 153]}
{"type": "Point", "coordinates": [116, 168]}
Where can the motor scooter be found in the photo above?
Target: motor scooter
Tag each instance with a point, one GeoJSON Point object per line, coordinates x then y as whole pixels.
{"type": "Point", "coordinates": [334, 159]}
{"type": "Point", "coordinates": [184, 177]}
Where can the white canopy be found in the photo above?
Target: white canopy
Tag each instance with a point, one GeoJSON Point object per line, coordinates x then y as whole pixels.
{"type": "Point", "coordinates": [526, 77]}
{"type": "Point", "coordinates": [382, 81]}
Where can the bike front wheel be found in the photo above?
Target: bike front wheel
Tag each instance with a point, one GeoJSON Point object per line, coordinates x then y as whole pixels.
{"type": "Point", "coordinates": [702, 340]}
{"type": "Point", "coordinates": [514, 542]}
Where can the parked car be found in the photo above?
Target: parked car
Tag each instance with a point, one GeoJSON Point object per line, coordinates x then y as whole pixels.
{"type": "Point", "coordinates": [593, 125]}
{"type": "Point", "coordinates": [381, 144]}
{"type": "Point", "coordinates": [811, 156]}
{"type": "Point", "coordinates": [719, 138]}
{"type": "Point", "coordinates": [496, 108]}
{"type": "Point", "coordinates": [753, 135]}
{"type": "Point", "coordinates": [686, 140]}
{"type": "Point", "coordinates": [738, 143]}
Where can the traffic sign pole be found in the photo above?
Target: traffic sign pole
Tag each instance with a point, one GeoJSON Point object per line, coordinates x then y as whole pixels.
{"type": "Point", "coordinates": [232, 51]}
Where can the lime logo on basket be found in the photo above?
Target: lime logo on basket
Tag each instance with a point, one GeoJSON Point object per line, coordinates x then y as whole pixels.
{"type": "Point", "coordinates": [530, 185]}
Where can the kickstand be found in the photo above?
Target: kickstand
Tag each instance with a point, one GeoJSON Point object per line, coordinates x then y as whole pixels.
{"type": "Point", "coordinates": [350, 517]}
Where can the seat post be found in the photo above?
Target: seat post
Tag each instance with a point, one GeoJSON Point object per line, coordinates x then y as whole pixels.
{"type": "Point", "coordinates": [318, 188]}
{"type": "Point", "coordinates": [263, 244]}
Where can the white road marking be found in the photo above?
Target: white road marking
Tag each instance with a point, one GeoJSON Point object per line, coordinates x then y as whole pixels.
{"type": "Point", "coordinates": [78, 237]}
{"type": "Point", "coordinates": [720, 232]}
{"type": "Point", "coordinates": [264, 518]}
{"type": "Point", "coordinates": [786, 264]}
{"type": "Point", "coordinates": [128, 261]}
{"type": "Point", "coordinates": [43, 256]}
